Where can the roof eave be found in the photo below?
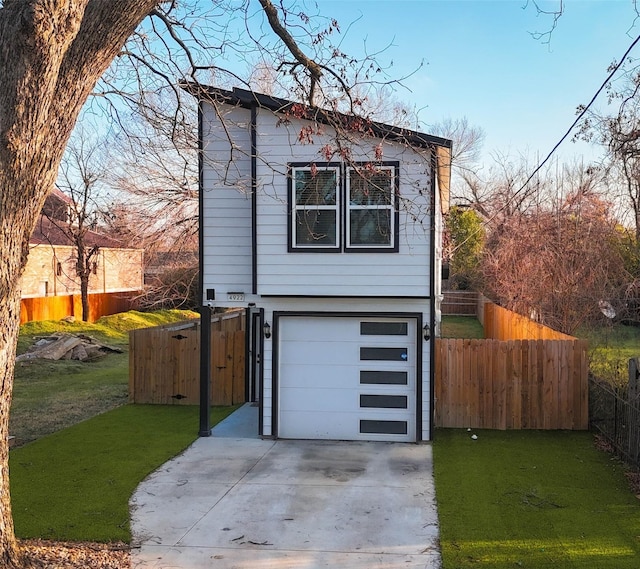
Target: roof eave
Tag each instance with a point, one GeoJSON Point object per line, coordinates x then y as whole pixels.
{"type": "Point", "coordinates": [250, 99]}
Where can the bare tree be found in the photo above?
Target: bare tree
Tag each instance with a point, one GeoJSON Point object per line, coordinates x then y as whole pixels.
{"type": "Point", "coordinates": [81, 172]}
{"type": "Point", "coordinates": [557, 264]}
{"type": "Point", "coordinates": [617, 131]}
{"type": "Point", "coordinates": [502, 191]}
{"type": "Point", "coordinates": [467, 142]}
{"type": "Point", "coordinates": [52, 55]}
{"type": "Point", "coordinates": [155, 179]}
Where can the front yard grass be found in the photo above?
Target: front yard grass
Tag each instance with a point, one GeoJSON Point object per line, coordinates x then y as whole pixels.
{"type": "Point", "coordinates": [75, 485]}
{"type": "Point", "coordinates": [533, 499]}
{"type": "Point", "coordinates": [51, 395]}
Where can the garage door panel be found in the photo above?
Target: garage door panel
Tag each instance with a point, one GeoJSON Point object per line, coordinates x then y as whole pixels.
{"type": "Point", "coordinates": [324, 330]}
{"type": "Point", "coordinates": [317, 425]}
{"type": "Point", "coordinates": [344, 401]}
{"type": "Point", "coordinates": [350, 377]}
{"type": "Point", "coordinates": [319, 400]}
{"type": "Point", "coordinates": [319, 353]}
{"type": "Point", "coordinates": [331, 425]}
{"type": "Point", "coordinates": [328, 377]}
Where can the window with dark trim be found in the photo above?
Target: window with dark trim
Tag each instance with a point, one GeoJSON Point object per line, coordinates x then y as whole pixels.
{"type": "Point", "coordinates": [314, 197]}
{"type": "Point", "coordinates": [343, 208]}
{"type": "Point", "coordinates": [370, 213]}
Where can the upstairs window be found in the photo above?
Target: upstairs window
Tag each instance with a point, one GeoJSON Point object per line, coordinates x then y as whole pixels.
{"type": "Point", "coordinates": [371, 210]}
{"type": "Point", "coordinates": [315, 200]}
{"type": "Point", "coordinates": [337, 208]}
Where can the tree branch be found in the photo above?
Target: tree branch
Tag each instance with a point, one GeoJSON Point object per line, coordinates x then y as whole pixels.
{"type": "Point", "coordinates": [311, 66]}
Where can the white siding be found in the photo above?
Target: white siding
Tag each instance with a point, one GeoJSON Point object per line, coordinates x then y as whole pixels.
{"type": "Point", "coordinates": [405, 273]}
{"type": "Point", "coordinates": [227, 199]}
{"type": "Point", "coordinates": [342, 283]}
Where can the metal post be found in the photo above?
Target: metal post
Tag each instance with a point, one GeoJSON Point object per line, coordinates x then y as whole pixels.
{"type": "Point", "coordinates": [634, 380]}
{"type": "Point", "coordinates": [205, 371]}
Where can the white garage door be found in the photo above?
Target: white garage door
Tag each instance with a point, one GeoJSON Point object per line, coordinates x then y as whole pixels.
{"type": "Point", "coordinates": [346, 378]}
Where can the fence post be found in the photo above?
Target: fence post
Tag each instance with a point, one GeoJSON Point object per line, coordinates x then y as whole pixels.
{"type": "Point", "coordinates": [205, 371]}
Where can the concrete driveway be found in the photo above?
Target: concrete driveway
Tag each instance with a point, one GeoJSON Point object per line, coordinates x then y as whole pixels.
{"type": "Point", "coordinates": [246, 503]}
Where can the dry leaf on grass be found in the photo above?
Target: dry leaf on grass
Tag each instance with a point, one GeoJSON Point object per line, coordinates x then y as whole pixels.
{"type": "Point", "coordinates": [83, 555]}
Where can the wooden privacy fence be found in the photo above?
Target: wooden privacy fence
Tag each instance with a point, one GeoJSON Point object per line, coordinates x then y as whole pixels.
{"type": "Point", "coordinates": [518, 384]}
{"type": "Point", "coordinates": [164, 362]}
{"type": "Point", "coordinates": [502, 324]}
{"type": "Point", "coordinates": [59, 307]}
{"type": "Point", "coordinates": [524, 376]}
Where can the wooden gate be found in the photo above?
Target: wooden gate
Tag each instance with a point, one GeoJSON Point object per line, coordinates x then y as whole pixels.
{"type": "Point", "coordinates": [164, 362]}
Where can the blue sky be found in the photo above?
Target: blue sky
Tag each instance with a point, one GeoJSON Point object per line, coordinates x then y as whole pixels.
{"type": "Point", "coordinates": [482, 62]}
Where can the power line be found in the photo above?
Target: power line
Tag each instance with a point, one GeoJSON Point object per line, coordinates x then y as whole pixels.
{"type": "Point", "coordinates": [579, 117]}
{"type": "Point", "coordinates": [564, 137]}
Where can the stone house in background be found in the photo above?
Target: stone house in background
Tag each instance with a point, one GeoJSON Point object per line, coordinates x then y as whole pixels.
{"type": "Point", "coordinates": [50, 285]}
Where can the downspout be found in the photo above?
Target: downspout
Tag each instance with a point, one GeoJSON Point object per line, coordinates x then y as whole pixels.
{"type": "Point", "coordinates": [254, 260]}
{"type": "Point", "coordinates": [205, 310]}
{"type": "Point", "coordinates": [432, 296]}
{"type": "Point", "coordinates": [254, 200]}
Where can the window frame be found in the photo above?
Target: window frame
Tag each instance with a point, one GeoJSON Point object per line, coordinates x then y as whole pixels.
{"type": "Point", "coordinates": [293, 208]}
{"type": "Point", "coordinates": [343, 208]}
{"type": "Point", "coordinates": [392, 208]}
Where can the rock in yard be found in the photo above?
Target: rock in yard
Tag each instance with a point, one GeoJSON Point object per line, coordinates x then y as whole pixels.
{"type": "Point", "coordinates": [67, 346]}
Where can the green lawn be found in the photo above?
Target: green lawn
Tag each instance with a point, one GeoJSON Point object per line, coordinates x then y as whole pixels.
{"type": "Point", "coordinates": [533, 499]}
{"type": "Point", "coordinates": [51, 395]}
{"type": "Point", "coordinates": [461, 327]}
{"type": "Point", "coordinates": [75, 485]}
{"type": "Point", "coordinates": [610, 348]}
{"type": "Point", "coordinates": [109, 329]}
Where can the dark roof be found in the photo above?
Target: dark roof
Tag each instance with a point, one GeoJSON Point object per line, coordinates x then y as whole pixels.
{"type": "Point", "coordinates": [249, 99]}
{"type": "Point", "coordinates": [47, 232]}
{"type": "Point", "coordinates": [59, 195]}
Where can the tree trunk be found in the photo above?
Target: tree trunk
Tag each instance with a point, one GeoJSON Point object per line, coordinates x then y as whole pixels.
{"type": "Point", "coordinates": [10, 320]}
{"type": "Point", "coordinates": [52, 52]}
{"type": "Point", "coordinates": [83, 270]}
{"type": "Point", "coordinates": [84, 295]}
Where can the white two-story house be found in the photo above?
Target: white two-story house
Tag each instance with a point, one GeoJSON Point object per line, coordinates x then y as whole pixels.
{"type": "Point", "coordinates": [328, 229]}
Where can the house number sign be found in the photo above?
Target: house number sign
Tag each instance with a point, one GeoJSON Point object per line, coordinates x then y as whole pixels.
{"type": "Point", "coordinates": [236, 296]}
